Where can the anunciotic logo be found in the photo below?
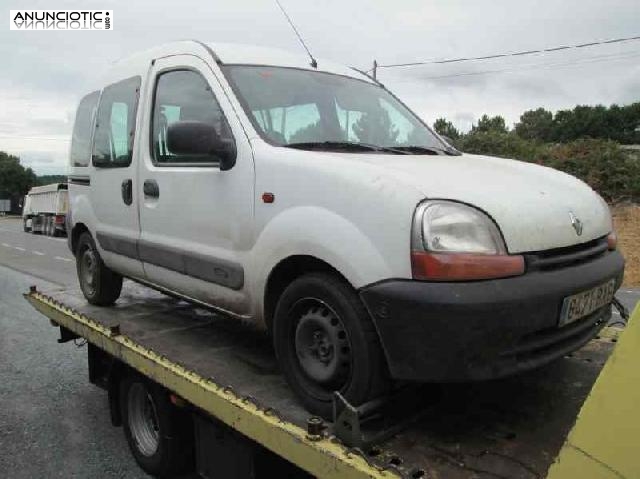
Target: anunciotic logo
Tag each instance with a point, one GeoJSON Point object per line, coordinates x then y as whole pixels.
{"type": "Point", "coordinates": [61, 19]}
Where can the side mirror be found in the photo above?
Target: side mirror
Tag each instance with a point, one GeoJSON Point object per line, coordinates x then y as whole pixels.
{"type": "Point", "coordinates": [200, 139]}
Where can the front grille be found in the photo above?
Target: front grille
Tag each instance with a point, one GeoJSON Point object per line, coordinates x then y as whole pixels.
{"type": "Point", "coordinates": [569, 256]}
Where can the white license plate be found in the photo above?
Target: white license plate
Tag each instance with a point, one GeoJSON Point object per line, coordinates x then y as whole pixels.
{"type": "Point", "coordinates": [582, 304]}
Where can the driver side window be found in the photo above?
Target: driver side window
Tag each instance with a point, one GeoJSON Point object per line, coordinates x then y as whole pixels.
{"type": "Point", "coordinates": [183, 95]}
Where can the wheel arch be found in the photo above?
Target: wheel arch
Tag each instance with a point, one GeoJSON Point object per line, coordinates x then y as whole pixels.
{"type": "Point", "coordinates": [287, 271]}
{"type": "Point", "coordinates": [74, 237]}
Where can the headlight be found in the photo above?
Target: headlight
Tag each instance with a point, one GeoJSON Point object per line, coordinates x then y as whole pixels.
{"type": "Point", "coordinates": [454, 242]}
{"type": "Point", "coordinates": [458, 228]}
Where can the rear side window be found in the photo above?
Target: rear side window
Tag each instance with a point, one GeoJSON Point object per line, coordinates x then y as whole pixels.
{"type": "Point", "coordinates": [82, 128]}
{"type": "Point", "coordinates": [116, 124]}
{"type": "Point", "coordinates": [184, 95]}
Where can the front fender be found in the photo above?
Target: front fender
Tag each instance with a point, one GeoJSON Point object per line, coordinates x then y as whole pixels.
{"type": "Point", "coordinates": [317, 232]}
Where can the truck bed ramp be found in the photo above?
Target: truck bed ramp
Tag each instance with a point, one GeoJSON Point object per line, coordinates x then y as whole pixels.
{"type": "Point", "coordinates": [510, 428]}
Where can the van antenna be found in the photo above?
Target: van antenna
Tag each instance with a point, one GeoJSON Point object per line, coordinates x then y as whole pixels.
{"type": "Point", "coordinates": [314, 63]}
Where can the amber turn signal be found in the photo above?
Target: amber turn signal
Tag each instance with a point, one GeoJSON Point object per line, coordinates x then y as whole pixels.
{"type": "Point", "coordinates": [464, 266]}
{"type": "Point", "coordinates": [612, 241]}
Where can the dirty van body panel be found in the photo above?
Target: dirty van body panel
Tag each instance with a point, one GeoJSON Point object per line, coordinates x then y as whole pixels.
{"type": "Point", "coordinates": [443, 332]}
{"type": "Point", "coordinates": [111, 209]}
{"type": "Point", "coordinates": [234, 173]}
{"type": "Point", "coordinates": [196, 220]}
{"type": "Point", "coordinates": [363, 238]}
{"type": "Point", "coordinates": [531, 204]}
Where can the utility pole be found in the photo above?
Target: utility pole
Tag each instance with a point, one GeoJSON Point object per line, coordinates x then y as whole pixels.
{"type": "Point", "coordinates": [374, 69]}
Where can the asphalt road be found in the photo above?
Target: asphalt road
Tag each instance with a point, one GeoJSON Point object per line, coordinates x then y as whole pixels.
{"type": "Point", "coordinates": [53, 423]}
{"type": "Point", "coordinates": [41, 256]}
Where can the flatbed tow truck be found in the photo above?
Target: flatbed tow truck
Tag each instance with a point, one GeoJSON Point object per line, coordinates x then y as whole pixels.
{"type": "Point", "coordinates": [248, 424]}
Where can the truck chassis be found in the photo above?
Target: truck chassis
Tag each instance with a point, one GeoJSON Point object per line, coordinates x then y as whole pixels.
{"type": "Point", "coordinates": [248, 424]}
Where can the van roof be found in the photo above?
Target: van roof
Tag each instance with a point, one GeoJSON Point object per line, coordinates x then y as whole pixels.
{"type": "Point", "coordinates": [227, 53]}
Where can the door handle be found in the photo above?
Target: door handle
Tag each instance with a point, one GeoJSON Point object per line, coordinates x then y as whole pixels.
{"type": "Point", "coordinates": [151, 189]}
{"type": "Point", "coordinates": [127, 191]}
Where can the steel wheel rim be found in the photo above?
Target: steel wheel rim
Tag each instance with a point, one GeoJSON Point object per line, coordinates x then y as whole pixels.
{"type": "Point", "coordinates": [321, 344]}
{"type": "Point", "coordinates": [88, 270]}
{"type": "Point", "coordinates": [143, 420]}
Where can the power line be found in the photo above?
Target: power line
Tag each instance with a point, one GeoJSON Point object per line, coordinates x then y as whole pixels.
{"type": "Point", "coordinates": [508, 54]}
{"type": "Point", "coordinates": [596, 59]}
{"type": "Point", "coordinates": [314, 63]}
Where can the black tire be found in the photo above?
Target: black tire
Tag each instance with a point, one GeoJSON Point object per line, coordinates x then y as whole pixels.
{"type": "Point", "coordinates": [49, 224]}
{"type": "Point", "coordinates": [25, 228]}
{"type": "Point", "coordinates": [54, 229]}
{"type": "Point", "coordinates": [99, 284]}
{"type": "Point", "coordinates": [325, 341]}
{"type": "Point", "coordinates": [160, 435]}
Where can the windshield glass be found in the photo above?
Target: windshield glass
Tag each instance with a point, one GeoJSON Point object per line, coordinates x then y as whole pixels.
{"type": "Point", "coordinates": [290, 106]}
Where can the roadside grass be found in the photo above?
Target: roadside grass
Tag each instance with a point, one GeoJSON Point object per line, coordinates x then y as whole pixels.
{"type": "Point", "coordinates": [626, 220]}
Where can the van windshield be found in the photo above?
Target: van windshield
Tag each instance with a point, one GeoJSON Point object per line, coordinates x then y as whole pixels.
{"type": "Point", "coordinates": [316, 110]}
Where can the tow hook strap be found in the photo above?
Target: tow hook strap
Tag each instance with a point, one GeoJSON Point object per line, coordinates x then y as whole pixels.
{"type": "Point", "coordinates": [622, 309]}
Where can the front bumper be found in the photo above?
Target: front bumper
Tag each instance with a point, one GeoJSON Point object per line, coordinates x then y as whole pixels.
{"type": "Point", "coordinates": [450, 332]}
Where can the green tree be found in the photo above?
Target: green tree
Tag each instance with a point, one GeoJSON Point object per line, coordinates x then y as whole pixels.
{"type": "Point", "coordinates": [602, 164]}
{"type": "Point", "coordinates": [14, 178]}
{"type": "Point", "coordinates": [48, 179]}
{"type": "Point", "coordinates": [535, 125]}
{"type": "Point", "coordinates": [445, 127]}
{"type": "Point", "coordinates": [486, 124]}
{"type": "Point", "coordinates": [505, 145]}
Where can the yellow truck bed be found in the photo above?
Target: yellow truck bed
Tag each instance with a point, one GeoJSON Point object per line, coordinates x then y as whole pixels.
{"type": "Point", "coordinates": [511, 428]}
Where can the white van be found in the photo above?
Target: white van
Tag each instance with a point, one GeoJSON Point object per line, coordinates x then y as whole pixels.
{"type": "Point", "coordinates": [313, 203]}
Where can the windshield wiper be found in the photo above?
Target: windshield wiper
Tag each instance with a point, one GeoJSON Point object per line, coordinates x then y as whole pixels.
{"type": "Point", "coordinates": [345, 145]}
{"type": "Point", "coordinates": [428, 150]}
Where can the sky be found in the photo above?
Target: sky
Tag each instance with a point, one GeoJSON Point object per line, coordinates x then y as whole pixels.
{"type": "Point", "coordinates": [45, 73]}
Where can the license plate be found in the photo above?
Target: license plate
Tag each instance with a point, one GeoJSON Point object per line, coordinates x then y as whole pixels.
{"type": "Point", "coordinates": [582, 304]}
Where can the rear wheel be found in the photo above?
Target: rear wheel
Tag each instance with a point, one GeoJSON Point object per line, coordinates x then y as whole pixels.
{"type": "Point", "coordinates": [54, 229]}
{"type": "Point", "coordinates": [100, 285]}
{"type": "Point", "coordinates": [325, 341]}
{"type": "Point", "coordinates": [25, 228]}
{"type": "Point", "coordinates": [160, 435]}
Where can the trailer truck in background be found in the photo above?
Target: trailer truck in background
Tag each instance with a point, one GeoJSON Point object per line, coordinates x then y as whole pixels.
{"type": "Point", "coordinates": [5, 206]}
{"type": "Point", "coordinates": [45, 209]}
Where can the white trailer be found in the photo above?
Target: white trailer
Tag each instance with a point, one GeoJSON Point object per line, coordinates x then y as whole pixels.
{"type": "Point", "coordinates": [45, 209]}
{"type": "Point", "coordinates": [5, 206]}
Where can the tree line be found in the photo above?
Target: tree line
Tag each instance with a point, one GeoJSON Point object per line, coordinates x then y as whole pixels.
{"type": "Point", "coordinates": [587, 142]}
{"type": "Point", "coordinates": [617, 123]}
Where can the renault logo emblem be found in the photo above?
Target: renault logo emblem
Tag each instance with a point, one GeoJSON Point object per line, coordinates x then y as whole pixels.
{"type": "Point", "coordinates": [576, 223]}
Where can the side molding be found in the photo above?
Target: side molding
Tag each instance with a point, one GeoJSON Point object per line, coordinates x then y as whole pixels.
{"type": "Point", "coordinates": [207, 268]}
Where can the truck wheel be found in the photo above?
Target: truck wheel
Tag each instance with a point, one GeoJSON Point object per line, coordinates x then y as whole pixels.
{"type": "Point", "coordinates": [48, 224]}
{"type": "Point", "coordinates": [160, 435]}
{"type": "Point", "coordinates": [325, 341]}
{"type": "Point", "coordinates": [100, 285]}
{"type": "Point", "coordinates": [24, 226]}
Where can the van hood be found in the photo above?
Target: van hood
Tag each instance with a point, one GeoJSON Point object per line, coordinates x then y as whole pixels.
{"type": "Point", "coordinates": [533, 205]}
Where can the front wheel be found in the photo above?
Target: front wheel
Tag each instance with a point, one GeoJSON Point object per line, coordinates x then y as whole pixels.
{"type": "Point", "coordinates": [160, 435]}
{"type": "Point", "coordinates": [99, 284]}
{"type": "Point", "coordinates": [325, 341]}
